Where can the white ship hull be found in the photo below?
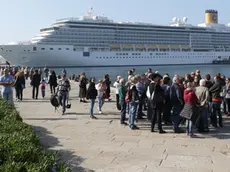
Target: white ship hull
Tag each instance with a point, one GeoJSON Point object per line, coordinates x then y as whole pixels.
{"type": "Point", "coordinates": [24, 55]}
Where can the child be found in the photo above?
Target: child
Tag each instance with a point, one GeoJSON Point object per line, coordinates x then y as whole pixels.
{"type": "Point", "coordinates": [43, 87]}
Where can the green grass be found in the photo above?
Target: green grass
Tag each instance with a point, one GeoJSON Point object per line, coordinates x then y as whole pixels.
{"type": "Point", "coordinates": [20, 148]}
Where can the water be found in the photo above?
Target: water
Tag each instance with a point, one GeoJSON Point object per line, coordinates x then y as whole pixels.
{"type": "Point", "coordinates": [99, 72]}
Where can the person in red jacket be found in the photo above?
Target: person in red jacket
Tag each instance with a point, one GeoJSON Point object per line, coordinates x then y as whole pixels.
{"type": "Point", "coordinates": [188, 111]}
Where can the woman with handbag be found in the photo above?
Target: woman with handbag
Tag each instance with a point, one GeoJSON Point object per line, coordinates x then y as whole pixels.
{"type": "Point", "coordinates": [19, 84]}
{"type": "Point", "coordinates": [189, 111]}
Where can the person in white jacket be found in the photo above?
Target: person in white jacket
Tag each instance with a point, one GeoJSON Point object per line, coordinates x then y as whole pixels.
{"type": "Point", "coordinates": [101, 87]}
{"type": "Point", "coordinates": [117, 86]}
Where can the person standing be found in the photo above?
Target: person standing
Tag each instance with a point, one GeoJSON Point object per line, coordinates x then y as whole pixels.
{"type": "Point", "coordinates": [36, 79]}
{"type": "Point", "coordinates": [141, 93]}
{"type": "Point", "coordinates": [203, 96]}
{"type": "Point", "coordinates": [46, 73]}
{"type": "Point", "coordinates": [63, 89]}
{"type": "Point", "coordinates": [82, 84]}
{"type": "Point", "coordinates": [133, 103]}
{"type": "Point", "coordinates": [156, 96]}
{"type": "Point", "coordinates": [117, 86]}
{"type": "Point", "coordinates": [91, 94]}
{"type": "Point", "coordinates": [176, 97]}
{"type": "Point", "coordinates": [101, 87]}
{"type": "Point", "coordinates": [215, 90]}
{"type": "Point", "coordinates": [122, 94]}
{"type": "Point", "coordinates": [167, 104]}
{"type": "Point", "coordinates": [43, 88]}
{"type": "Point", "coordinates": [31, 73]}
{"type": "Point", "coordinates": [53, 82]}
{"type": "Point", "coordinates": [189, 110]}
{"type": "Point", "coordinates": [19, 84]}
{"type": "Point", "coordinates": [107, 82]}
{"type": "Point", "coordinates": [6, 81]}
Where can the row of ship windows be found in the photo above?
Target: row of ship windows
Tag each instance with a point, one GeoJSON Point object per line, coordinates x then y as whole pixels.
{"type": "Point", "coordinates": [140, 54]}
{"type": "Point", "coordinates": [153, 57]}
{"type": "Point", "coordinates": [35, 49]}
{"type": "Point", "coordinates": [131, 32]}
{"type": "Point", "coordinates": [199, 54]}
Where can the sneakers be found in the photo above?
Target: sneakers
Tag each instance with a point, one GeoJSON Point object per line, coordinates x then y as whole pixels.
{"type": "Point", "coordinates": [100, 112]}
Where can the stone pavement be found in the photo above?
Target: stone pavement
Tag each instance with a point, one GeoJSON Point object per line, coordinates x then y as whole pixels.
{"type": "Point", "coordinates": [103, 145]}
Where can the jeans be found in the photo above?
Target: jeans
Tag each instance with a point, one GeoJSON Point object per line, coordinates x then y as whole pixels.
{"type": "Point", "coordinates": [176, 116]}
{"type": "Point", "coordinates": [101, 101]}
{"type": "Point", "coordinates": [117, 102]}
{"type": "Point", "coordinates": [43, 92]}
{"type": "Point", "coordinates": [132, 113]}
{"type": "Point", "coordinates": [189, 127]}
{"type": "Point", "coordinates": [62, 100]}
{"type": "Point", "coordinates": [205, 114]}
{"type": "Point", "coordinates": [123, 111]}
{"type": "Point", "coordinates": [8, 97]}
{"type": "Point", "coordinates": [215, 112]}
{"type": "Point", "coordinates": [35, 88]}
{"type": "Point", "coordinates": [92, 102]}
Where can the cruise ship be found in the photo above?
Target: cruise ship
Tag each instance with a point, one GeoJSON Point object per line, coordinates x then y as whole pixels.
{"type": "Point", "coordinates": [95, 41]}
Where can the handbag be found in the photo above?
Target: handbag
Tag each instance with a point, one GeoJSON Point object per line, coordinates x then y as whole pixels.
{"type": "Point", "coordinates": [23, 86]}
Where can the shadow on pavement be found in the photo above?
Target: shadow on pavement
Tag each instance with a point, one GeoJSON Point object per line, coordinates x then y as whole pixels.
{"type": "Point", "coordinates": [50, 142]}
{"type": "Point", "coordinates": [221, 133]}
{"type": "Point", "coordinates": [54, 119]}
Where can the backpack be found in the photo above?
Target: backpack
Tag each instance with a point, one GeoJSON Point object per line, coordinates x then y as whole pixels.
{"type": "Point", "coordinates": [54, 101]}
{"type": "Point", "coordinates": [128, 96]}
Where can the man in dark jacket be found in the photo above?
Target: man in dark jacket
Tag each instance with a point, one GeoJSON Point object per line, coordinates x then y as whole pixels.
{"type": "Point", "coordinates": [216, 102]}
{"type": "Point", "coordinates": [156, 96]}
{"type": "Point", "coordinates": [122, 93]}
{"type": "Point", "coordinates": [36, 79]}
{"type": "Point", "coordinates": [176, 96]}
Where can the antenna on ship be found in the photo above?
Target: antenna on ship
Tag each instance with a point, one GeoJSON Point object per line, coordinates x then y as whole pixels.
{"type": "Point", "coordinates": [90, 11]}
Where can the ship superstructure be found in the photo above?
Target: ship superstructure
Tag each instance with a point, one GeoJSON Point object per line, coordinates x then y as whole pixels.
{"type": "Point", "coordinates": [92, 40]}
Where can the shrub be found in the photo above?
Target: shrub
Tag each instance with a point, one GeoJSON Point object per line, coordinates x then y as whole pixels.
{"type": "Point", "coordinates": [20, 148]}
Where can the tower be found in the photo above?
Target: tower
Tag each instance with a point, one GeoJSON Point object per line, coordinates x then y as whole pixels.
{"type": "Point", "coordinates": [211, 17]}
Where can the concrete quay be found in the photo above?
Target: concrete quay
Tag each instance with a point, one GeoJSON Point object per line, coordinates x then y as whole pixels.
{"type": "Point", "coordinates": [103, 145]}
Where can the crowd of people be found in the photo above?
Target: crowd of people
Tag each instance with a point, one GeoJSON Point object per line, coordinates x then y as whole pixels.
{"type": "Point", "coordinates": [191, 100]}
{"type": "Point", "coordinates": [16, 77]}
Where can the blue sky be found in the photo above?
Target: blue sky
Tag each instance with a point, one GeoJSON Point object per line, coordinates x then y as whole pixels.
{"type": "Point", "coordinates": [22, 19]}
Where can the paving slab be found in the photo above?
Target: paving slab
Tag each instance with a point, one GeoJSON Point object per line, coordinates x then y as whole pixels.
{"type": "Point", "coordinates": [104, 145]}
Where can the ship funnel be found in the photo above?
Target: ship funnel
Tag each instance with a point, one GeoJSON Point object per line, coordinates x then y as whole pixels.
{"type": "Point", "coordinates": [211, 17]}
